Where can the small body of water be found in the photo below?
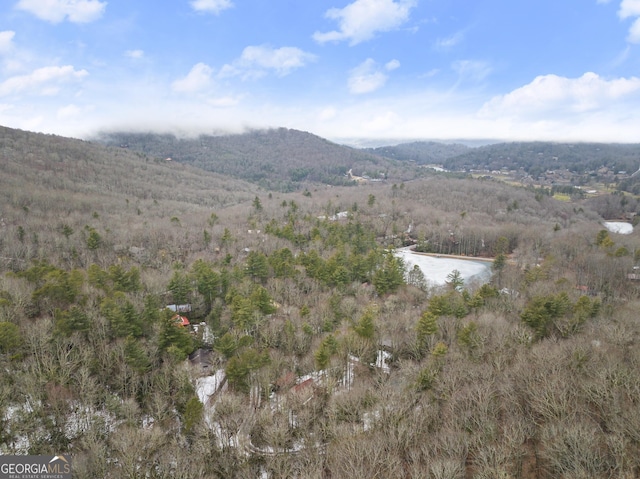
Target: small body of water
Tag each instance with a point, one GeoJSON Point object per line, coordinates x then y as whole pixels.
{"type": "Point", "coordinates": [619, 227]}
{"type": "Point", "coordinates": [436, 269]}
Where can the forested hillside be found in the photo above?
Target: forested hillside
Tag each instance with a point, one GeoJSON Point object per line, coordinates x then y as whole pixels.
{"type": "Point", "coordinates": [534, 158]}
{"type": "Point", "coordinates": [559, 166]}
{"type": "Point", "coordinates": [278, 159]}
{"type": "Point", "coordinates": [537, 157]}
{"type": "Point", "coordinates": [422, 152]}
{"type": "Point", "coordinates": [303, 346]}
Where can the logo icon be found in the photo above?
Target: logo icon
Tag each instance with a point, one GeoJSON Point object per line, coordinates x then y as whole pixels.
{"type": "Point", "coordinates": [35, 467]}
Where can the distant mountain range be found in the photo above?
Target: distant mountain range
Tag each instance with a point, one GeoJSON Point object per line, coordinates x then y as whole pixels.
{"type": "Point", "coordinates": [288, 160]}
{"type": "Point", "coordinates": [285, 159]}
{"type": "Point", "coordinates": [537, 157]}
{"type": "Point", "coordinates": [277, 159]}
{"type": "Point", "coordinates": [533, 157]}
{"type": "Point", "coordinates": [422, 152]}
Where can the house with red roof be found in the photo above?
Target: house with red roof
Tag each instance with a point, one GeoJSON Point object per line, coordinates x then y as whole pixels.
{"type": "Point", "coordinates": [180, 321]}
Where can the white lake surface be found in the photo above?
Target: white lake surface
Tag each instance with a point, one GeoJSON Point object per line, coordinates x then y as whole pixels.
{"type": "Point", "coordinates": [436, 270]}
{"type": "Point", "coordinates": [619, 227]}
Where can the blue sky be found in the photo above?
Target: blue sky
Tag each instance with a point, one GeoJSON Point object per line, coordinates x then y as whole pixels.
{"type": "Point", "coordinates": [342, 69]}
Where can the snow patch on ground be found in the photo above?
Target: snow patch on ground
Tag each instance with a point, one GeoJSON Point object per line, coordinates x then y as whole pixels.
{"type": "Point", "coordinates": [436, 269]}
{"type": "Point", "coordinates": [382, 360]}
{"type": "Point", "coordinates": [207, 336]}
{"type": "Point", "coordinates": [342, 215]}
{"type": "Point", "coordinates": [81, 419]}
{"type": "Point", "coordinates": [619, 227]}
{"type": "Point", "coordinates": [207, 386]}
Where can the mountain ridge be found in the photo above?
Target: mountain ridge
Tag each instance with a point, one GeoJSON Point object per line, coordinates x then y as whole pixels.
{"type": "Point", "coordinates": [277, 159]}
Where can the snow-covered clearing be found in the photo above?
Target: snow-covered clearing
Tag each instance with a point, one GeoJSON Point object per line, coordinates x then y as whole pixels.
{"type": "Point", "coordinates": [619, 227]}
{"type": "Point", "coordinates": [207, 386]}
{"type": "Point", "coordinates": [436, 269]}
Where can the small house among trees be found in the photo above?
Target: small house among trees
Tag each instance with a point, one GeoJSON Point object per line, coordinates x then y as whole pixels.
{"type": "Point", "coordinates": [180, 320]}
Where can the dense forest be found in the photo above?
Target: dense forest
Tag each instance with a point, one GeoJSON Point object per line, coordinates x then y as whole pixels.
{"type": "Point", "coordinates": [421, 152]}
{"type": "Point", "coordinates": [158, 320]}
{"type": "Point", "coordinates": [289, 160]}
{"type": "Point", "coordinates": [584, 163]}
{"type": "Point", "coordinates": [534, 158]}
{"type": "Point", "coordinates": [278, 159]}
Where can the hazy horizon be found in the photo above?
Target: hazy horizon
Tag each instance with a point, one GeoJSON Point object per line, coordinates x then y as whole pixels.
{"type": "Point", "coordinates": [360, 69]}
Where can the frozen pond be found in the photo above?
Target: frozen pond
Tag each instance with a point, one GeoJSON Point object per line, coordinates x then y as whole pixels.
{"type": "Point", "coordinates": [436, 270]}
{"type": "Point", "coordinates": [619, 227]}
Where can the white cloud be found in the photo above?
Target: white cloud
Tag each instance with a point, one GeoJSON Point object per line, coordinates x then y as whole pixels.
{"type": "Point", "coordinates": [224, 101]}
{"type": "Point", "coordinates": [430, 74]}
{"type": "Point", "coordinates": [6, 41]}
{"type": "Point", "coordinates": [43, 81]}
{"type": "Point", "coordinates": [621, 57]}
{"type": "Point", "coordinates": [14, 59]}
{"type": "Point", "coordinates": [450, 42]}
{"type": "Point", "coordinates": [629, 8]}
{"type": "Point", "coordinates": [438, 115]}
{"type": "Point", "coordinates": [471, 70]}
{"type": "Point", "coordinates": [68, 112]}
{"type": "Point", "coordinates": [359, 21]}
{"type": "Point", "coordinates": [550, 94]}
{"type": "Point", "coordinates": [134, 54]}
{"type": "Point", "coordinates": [211, 6]}
{"type": "Point", "coordinates": [56, 11]}
{"type": "Point", "coordinates": [634, 32]}
{"type": "Point", "coordinates": [382, 122]}
{"type": "Point", "coordinates": [366, 78]}
{"type": "Point", "coordinates": [392, 65]}
{"type": "Point", "coordinates": [197, 79]}
{"type": "Point", "coordinates": [256, 61]}
{"type": "Point", "coordinates": [327, 114]}
{"type": "Point", "coordinates": [428, 113]}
